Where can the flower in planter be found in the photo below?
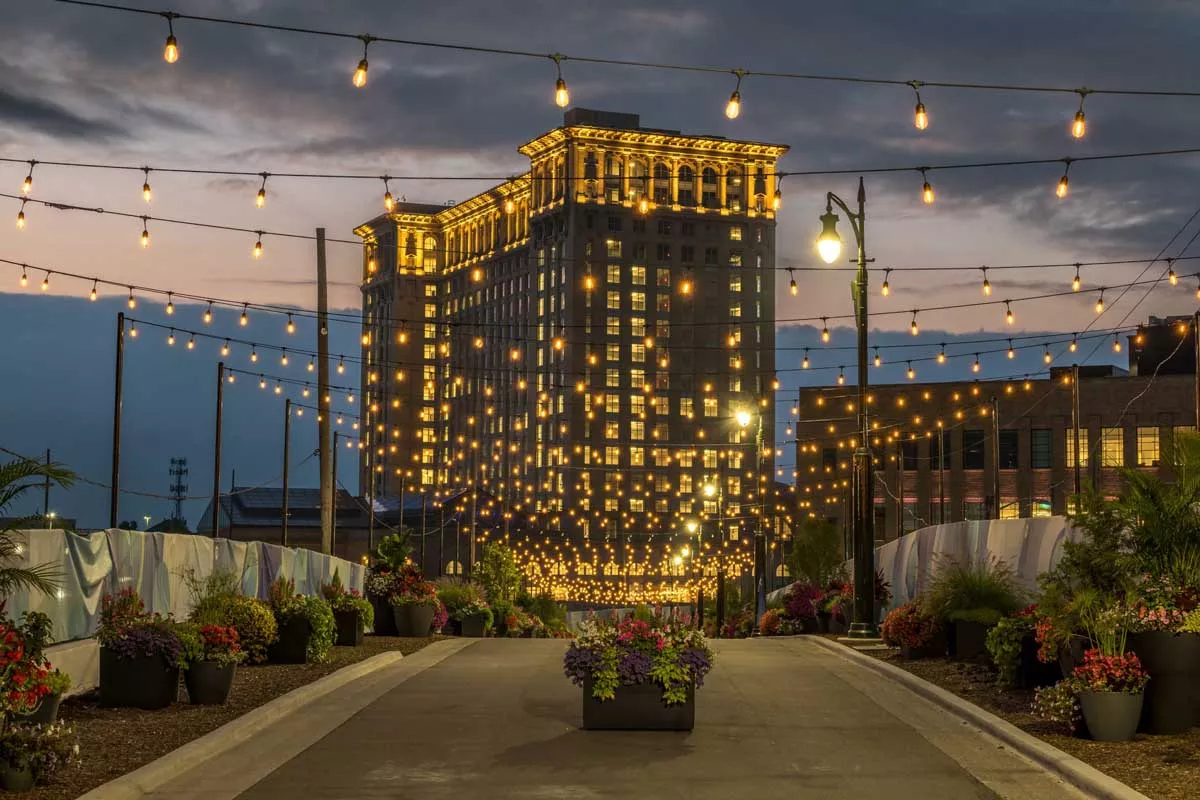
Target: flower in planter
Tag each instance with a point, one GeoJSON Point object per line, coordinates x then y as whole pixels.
{"type": "Point", "coordinates": [287, 605]}
{"type": "Point", "coordinates": [44, 749]}
{"type": "Point", "coordinates": [770, 622]}
{"type": "Point", "coordinates": [475, 608]}
{"type": "Point", "coordinates": [910, 626]}
{"type": "Point", "coordinates": [1109, 673]}
{"type": "Point", "coordinates": [440, 617]}
{"type": "Point", "coordinates": [342, 599]}
{"type": "Point", "coordinates": [409, 587]}
{"type": "Point", "coordinates": [128, 631]}
{"type": "Point", "coordinates": [216, 643]}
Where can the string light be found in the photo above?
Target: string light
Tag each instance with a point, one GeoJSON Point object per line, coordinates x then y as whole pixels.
{"type": "Point", "coordinates": [793, 289]}
{"type": "Point", "coordinates": [1076, 283]}
{"type": "Point", "coordinates": [94, 294]}
{"type": "Point", "coordinates": [1008, 315]}
{"type": "Point", "coordinates": [311, 366]}
{"type": "Point", "coordinates": [510, 207]}
{"type": "Point", "coordinates": [171, 49]}
{"type": "Point", "coordinates": [1046, 355]}
{"type": "Point", "coordinates": [911, 372]}
{"type": "Point", "coordinates": [27, 184]}
{"type": "Point", "coordinates": [208, 314]}
{"type": "Point", "coordinates": [291, 325]}
{"type": "Point", "coordinates": [841, 376]}
{"type": "Point", "coordinates": [388, 201]}
{"type": "Point", "coordinates": [341, 367]}
{"type": "Point", "coordinates": [145, 233]}
{"type": "Point", "coordinates": [262, 382]}
{"type": "Point", "coordinates": [878, 360]}
{"type": "Point", "coordinates": [360, 73]}
{"type": "Point", "coordinates": [734, 106]}
{"type": "Point", "coordinates": [191, 343]}
{"type": "Point", "coordinates": [21, 217]}
{"type": "Point", "coordinates": [1063, 183]}
{"type": "Point", "coordinates": [132, 302]}
{"type": "Point", "coordinates": [1074, 343]}
{"type": "Point", "coordinates": [1172, 278]}
{"type": "Point", "coordinates": [283, 359]}
{"type": "Point", "coordinates": [170, 305]}
{"type": "Point", "coordinates": [975, 367]}
{"type": "Point", "coordinates": [926, 189]}
{"type": "Point", "coordinates": [777, 200]}
{"type": "Point", "coordinates": [987, 287]}
{"type": "Point", "coordinates": [1100, 303]}
{"type": "Point", "coordinates": [915, 330]}
{"type": "Point", "coordinates": [920, 116]}
{"type": "Point", "coordinates": [253, 354]}
{"type": "Point", "coordinates": [260, 199]}
{"type": "Point", "coordinates": [258, 247]}
{"type": "Point", "coordinates": [1011, 353]}
{"type": "Point", "coordinates": [24, 277]}
{"type": "Point", "coordinates": [804, 363]}
{"type": "Point", "coordinates": [941, 356]}
{"type": "Point", "coordinates": [824, 329]}
{"type": "Point", "coordinates": [562, 97]}
{"type": "Point", "coordinates": [171, 338]}
{"type": "Point", "coordinates": [1079, 124]}
{"type": "Point", "coordinates": [1116, 344]}
{"type": "Point", "coordinates": [244, 320]}
{"type": "Point", "coordinates": [46, 282]}
{"type": "Point", "coordinates": [225, 348]}
{"type": "Point", "coordinates": [885, 289]}
{"type": "Point", "coordinates": [133, 330]}
{"type": "Point", "coordinates": [147, 195]}
{"type": "Point", "coordinates": [685, 285]}
{"type": "Point", "coordinates": [643, 205]}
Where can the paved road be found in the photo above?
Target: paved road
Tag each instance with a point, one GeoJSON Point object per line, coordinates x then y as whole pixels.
{"type": "Point", "coordinates": [776, 718]}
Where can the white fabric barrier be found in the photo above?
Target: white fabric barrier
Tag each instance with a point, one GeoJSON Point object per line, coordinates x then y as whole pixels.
{"type": "Point", "coordinates": [1028, 546]}
{"type": "Point", "coordinates": [93, 565]}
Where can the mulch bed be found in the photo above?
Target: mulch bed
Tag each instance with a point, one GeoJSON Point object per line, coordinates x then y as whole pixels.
{"type": "Point", "coordinates": [1160, 767]}
{"type": "Point", "coordinates": [114, 741]}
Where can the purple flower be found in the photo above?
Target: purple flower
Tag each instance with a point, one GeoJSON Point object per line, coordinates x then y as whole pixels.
{"type": "Point", "coordinates": [579, 663]}
{"type": "Point", "coordinates": [633, 668]}
{"type": "Point", "coordinates": [697, 663]}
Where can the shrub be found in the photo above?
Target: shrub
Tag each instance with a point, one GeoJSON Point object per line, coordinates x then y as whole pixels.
{"type": "Point", "coordinates": [801, 602]}
{"type": "Point", "coordinates": [342, 599]}
{"type": "Point", "coordinates": [456, 593]}
{"type": "Point", "coordinates": [1004, 644]}
{"type": "Point", "coordinates": [127, 630]}
{"type": "Point", "coordinates": [393, 551]}
{"type": "Point", "coordinates": [498, 573]}
{"type": "Point", "coordinates": [250, 617]}
{"type": "Point", "coordinates": [769, 622]}
{"type": "Point", "coordinates": [323, 626]}
{"type": "Point", "coordinates": [45, 749]}
{"type": "Point", "coordinates": [909, 626]}
{"type": "Point", "coordinates": [988, 591]}
{"type": "Point", "coordinates": [475, 608]}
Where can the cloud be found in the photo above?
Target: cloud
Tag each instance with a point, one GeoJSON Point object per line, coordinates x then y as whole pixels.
{"type": "Point", "coordinates": [20, 113]}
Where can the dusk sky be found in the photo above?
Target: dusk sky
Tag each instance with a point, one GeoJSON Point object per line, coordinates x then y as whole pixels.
{"type": "Point", "coordinates": [86, 85]}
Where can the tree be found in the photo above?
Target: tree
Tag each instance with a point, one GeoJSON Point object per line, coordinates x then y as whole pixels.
{"type": "Point", "coordinates": [16, 478]}
{"type": "Point", "coordinates": [497, 572]}
{"type": "Point", "coordinates": [816, 552]}
{"type": "Point", "coordinates": [393, 550]}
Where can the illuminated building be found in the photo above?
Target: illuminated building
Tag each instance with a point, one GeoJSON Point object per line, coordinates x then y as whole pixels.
{"type": "Point", "coordinates": [580, 339]}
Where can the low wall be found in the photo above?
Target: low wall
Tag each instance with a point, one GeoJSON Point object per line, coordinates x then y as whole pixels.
{"type": "Point", "coordinates": [93, 565]}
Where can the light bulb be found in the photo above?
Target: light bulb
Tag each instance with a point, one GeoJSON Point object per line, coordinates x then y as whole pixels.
{"type": "Point", "coordinates": [283, 359]}
{"type": "Point", "coordinates": [46, 282]}
{"type": "Point", "coordinates": [1046, 356]}
{"type": "Point", "coordinates": [171, 337]}
{"type": "Point", "coordinates": [170, 305]}
{"type": "Point", "coordinates": [878, 360]}
{"type": "Point", "coordinates": [478, 342]}
{"type": "Point", "coordinates": [244, 320]}
{"type": "Point", "coordinates": [291, 325]}
{"type": "Point", "coordinates": [262, 382]}
{"type": "Point", "coordinates": [341, 368]}
{"type": "Point", "coordinates": [27, 184]}
{"type": "Point", "coordinates": [915, 330]}
{"type": "Point", "coordinates": [1062, 189]}
{"type": "Point", "coordinates": [388, 201]}
{"type": "Point", "coordinates": [734, 106]}
{"type": "Point", "coordinates": [258, 248]}
{"type": "Point", "coordinates": [562, 98]}
{"type": "Point", "coordinates": [777, 202]}
{"type": "Point", "coordinates": [793, 289]}
{"type": "Point", "coordinates": [145, 237]}
{"type": "Point", "coordinates": [920, 116]}
{"type": "Point", "coordinates": [171, 50]}
{"type": "Point", "coordinates": [927, 194]}
{"type": "Point", "coordinates": [1171, 276]}
{"type": "Point", "coordinates": [1079, 125]}
{"type": "Point", "coordinates": [24, 277]}
{"type": "Point", "coordinates": [147, 195]}
{"type": "Point", "coordinates": [1116, 344]}
{"type": "Point", "coordinates": [191, 344]}
{"type": "Point", "coordinates": [975, 366]}
{"type": "Point", "coordinates": [1011, 353]}
{"type": "Point", "coordinates": [824, 330]}
{"type": "Point", "coordinates": [589, 282]}
{"type": "Point", "coordinates": [911, 372]}
{"type": "Point", "coordinates": [133, 330]}
{"type": "Point", "coordinates": [1075, 282]}
{"type": "Point", "coordinates": [132, 302]}
{"type": "Point", "coordinates": [685, 286]}
{"type": "Point", "coordinates": [260, 199]}
{"type": "Point", "coordinates": [941, 356]}
{"type": "Point", "coordinates": [311, 367]}
{"type": "Point", "coordinates": [841, 378]}
{"type": "Point", "coordinates": [1008, 315]}
{"type": "Point", "coordinates": [643, 204]}
{"type": "Point", "coordinates": [360, 74]}
{"type": "Point", "coordinates": [253, 356]}
{"type": "Point", "coordinates": [804, 363]}
{"type": "Point", "coordinates": [93, 294]}
{"type": "Point", "coordinates": [21, 219]}
{"type": "Point", "coordinates": [1074, 345]}
{"type": "Point", "coordinates": [1100, 303]}
{"type": "Point", "coordinates": [987, 286]}
{"type": "Point", "coordinates": [208, 314]}
{"type": "Point", "coordinates": [225, 348]}
{"type": "Point", "coordinates": [886, 288]}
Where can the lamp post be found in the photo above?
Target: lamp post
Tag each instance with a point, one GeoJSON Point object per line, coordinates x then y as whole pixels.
{"type": "Point", "coordinates": [744, 418]}
{"type": "Point", "coordinates": [829, 246]}
{"type": "Point", "coordinates": [695, 529]}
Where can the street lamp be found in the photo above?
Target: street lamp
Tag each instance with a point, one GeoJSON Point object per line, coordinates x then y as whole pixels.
{"type": "Point", "coordinates": [829, 246]}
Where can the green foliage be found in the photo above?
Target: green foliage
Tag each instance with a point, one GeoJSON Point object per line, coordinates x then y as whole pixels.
{"type": "Point", "coordinates": [342, 599]}
{"type": "Point", "coordinates": [672, 675]}
{"type": "Point", "coordinates": [817, 552]}
{"type": "Point", "coordinates": [456, 593]}
{"type": "Point", "coordinates": [1191, 623]}
{"type": "Point", "coordinates": [394, 549]}
{"type": "Point", "coordinates": [324, 628]}
{"type": "Point", "coordinates": [642, 613]}
{"type": "Point", "coordinates": [475, 608]}
{"type": "Point", "coordinates": [498, 573]}
{"type": "Point", "coordinates": [211, 591]}
{"type": "Point", "coordinates": [44, 749]}
{"type": "Point", "coordinates": [191, 645]}
{"type": "Point", "coordinates": [249, 616]}
{"type": "Point", "coordinates": [17, 478]}
{"type": "Point", "coordinates": [37, 628]}
{"type": "Point", "coordinates": [1059, 703]}
{"type": "Point", "coordinates": [1004, 645]}
{"type": "Point", "coordinates": [983, 616]}
{"type": "Point", "coordinates": [58, 682]}
{"type": "Point", "coordinates": [553, 614]}
{"type": "Point", "coordinates": [959, 587]}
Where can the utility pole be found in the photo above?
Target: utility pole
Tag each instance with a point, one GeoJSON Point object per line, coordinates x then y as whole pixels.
{"type": "Point", "coordinates": [178, 472]}
{"type": "Point", "coordinates": [323, 424]}
{"type": "Point", "coordinates": [1196, 342]}
{"type": "Point", "coordinates": [118, 380]}
{"type": "Point", "coordinates": [333, 505]}
{"type": "Point", "coordinates": [995, 410]}
{"type": "Point", "coordinates": [941, 475]}
{"type": "Point", "coordinates": [287, 439]}
{"type": "Point", "coordinates": [900, 487]}
{"type": "Point", "coordinates": [1075, 421]}
{"type": "Point", "coordinates": [216, 498]}
{"type": "Point", "coordinates": [46, 488]}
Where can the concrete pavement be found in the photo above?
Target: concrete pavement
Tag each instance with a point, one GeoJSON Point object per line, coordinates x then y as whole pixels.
{"type": "Point", "coordinates": [776, 717]}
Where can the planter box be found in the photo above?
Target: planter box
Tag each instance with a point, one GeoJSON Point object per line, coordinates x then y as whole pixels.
{"type": "Point", "coordinates": [969, 642]}
{"type": "Point", "coordinates": [46, 712]}
{"type": "Point", "coordinates": [413, 619]}
{"type": "Point", "coordinates": [473, 627]}
{"type": "Point", "coordinates": [1031, 673]}
{"type": "Point", "coordinates": [637, 708]}
{"type": "Point", "coordinates": [1173, 662]}
{"type": "Point", "coordinates": [385, 621]}
{"type": "Point", "coordinates": [349, 628]}
{"type": "Point", "coordinates": [16, 780]}
{"type": "Point", "coordinates": [141, 682]}
{"type": "Point", "coordinates": [823, 621]}
{"type": "Point", "coordinates": [208, 683]}
{"type": "Point", "coordinates": [292, 646]}
{"type": "Point", "coordinates": [1111, 716]}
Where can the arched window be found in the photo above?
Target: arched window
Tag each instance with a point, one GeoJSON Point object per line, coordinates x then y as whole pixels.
{"type": "Point", "coordinates": [782, 571]}
{"type": "Point", "coordinates": [586, 569]}
{"type": "Point", "coordinates": [454, 568]}
{"type": "Point", "coordinates": [558, 568]}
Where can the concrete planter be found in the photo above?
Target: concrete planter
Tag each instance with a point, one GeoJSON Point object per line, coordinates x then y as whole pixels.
{"type": "Point", "coordinates": [1032, 673]}
{"type": "Point", "coordinates": [413, 619]}
{"type": "Point", "coordinates": [385, 621]}
{"type": "Point", "coordinates": [474, 626]}
{"type": "Point", "coordinates": [349, 628]}
{"type": "Point", "coordinates": [970, 641]}
{"type": "Point", "coordinates": [140, 682]}
{"type": "Point", "coordinates": [16, 779]}
{"type": "Point", "coordinates": [292, 646]}
{"type": "Point", "coordinates": [1111, 716]}
{"type": "Point", "coordinates": [209, 683]}
{"type": "Point", "coordinates": [637, 708]}
{"type": "Point", "coordinates": [46, 712]}
{"type": "Point", "coordinates": [1173, 662]}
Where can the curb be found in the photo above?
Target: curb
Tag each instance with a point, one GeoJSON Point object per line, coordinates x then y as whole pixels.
{"type": "Point", "coordinates": [1079, 774]}
{"type": "Point", "coordinates": [147, 778]}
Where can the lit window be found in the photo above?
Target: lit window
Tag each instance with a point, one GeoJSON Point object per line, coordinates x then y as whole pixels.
{"type": "Point", "coordinates": [663, 276]}
{"type": "Point", "coordinates": [1112, 447]}
{"type": "Point", "coordinates": [612, 352]}
{"type": "Point", "coordinates": [735, 233]}
{"type": "Point", "coordinates": [614, 273]}
{"type": "Point", "coordinates": [614, 300]}
{"type": "Point", "coordinates": [709, 459]}
{"type": "Point", "coordinates": [637, 353]}
{"type": "Point", "coordinates": [637, 275]}
{"type": "Point", "coordinates": [612, 378]}
{"type": "Point", "coordinates": [612, 430]}
{"type": "Point", "coordinates": [685, 483]}
{"type": "Point", "coordinates": [612, 455]}
{"type": "Point", "coordinates": [1147, 447]}
{"type": "Point", "coordinates": [1040, 508]}
{"type": "Point", "coordinates": [735, 283]}
{"type": "Point", "coordinates": [637, 301]}
{"type": "Point", "coordinates": [1083, 448]}
{"type": "Point", "coordinates": [613, 326]}
{"type": "Point", "coordinates": [637, 404]}
{"type": "Point", "coordinates": [710, 406]}
{"type": "Point", "coordinates": [637, 430]}
{"type": "Point", "coordinates": [735, 258]}
{"type": "Point", "coordinates": [685, 458]}
{"type": "Point", "coordinates": [637, 326]}
{"type": "Point", "coordinates": [686, 406]}
{"type": "Point", "coordinates": [613, 248]}
{"type": "Point", "coordinates": [612, 404]}
{"type": "Point", "coordinates": [637, 505]}
{"type": "Point", "coordinates": [735, 310]}
{"type": "Point", "coordinates": [610, 503]}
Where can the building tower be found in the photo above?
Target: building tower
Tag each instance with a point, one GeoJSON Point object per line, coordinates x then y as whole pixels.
{"type": "Point", "coordinates": [178, 473]}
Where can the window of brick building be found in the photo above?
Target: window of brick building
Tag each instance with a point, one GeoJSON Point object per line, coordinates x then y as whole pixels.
{"type": "Point", "coordinates": [1041, 448]}
{"type": "Point", "coordinates": [972, 449]}
{"type": "Point", "coordinates": [1148, 451]}
{"type": "Point", "coordinates": [1009, 450]}
{"type": "Point", "coordinates": [1083, 448]}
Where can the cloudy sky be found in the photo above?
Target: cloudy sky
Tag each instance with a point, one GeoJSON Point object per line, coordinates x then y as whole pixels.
{"type": "Point", "coordinates": [79, 84]}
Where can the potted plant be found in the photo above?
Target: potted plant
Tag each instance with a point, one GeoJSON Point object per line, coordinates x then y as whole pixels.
{"type": "Point", "coordinates": [800, 609]}
{"type": "Point", "coordinates": [306, 626]}
{"type": "Point", "coordinates": [475, 619]}
{"type": "Point", "coordinates": [211, 656]}
{"type": "Point", "coordinates": [139, 654]}
{"type": "Point", "coordinates": [391, 558]}
{"type": "Point", "coordinates": [638, 675]}
{"type": "Point", "coordinates": [34, 631]}
{"type": "Point", "coordinates": [414, 603]}
{"type": "Point", "coordinates": [1013, 647]}
{"type": "Point", "coordinates": [770, 622]}
{"type": "Point", "coordinates": [352, 613]}
{"type": "Point", "coordinates": [1170, 655]}
{"type": "Point", "coordinates": [58, 683]}
{"type": "Point", "coordinates": [1110, 694]}
{"type": "Point", "coordinates": [969, 599]}
{"type": "Point", "coordinates": [917, 633]}
{"type": "Point", "coordinates": [32, 754]}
